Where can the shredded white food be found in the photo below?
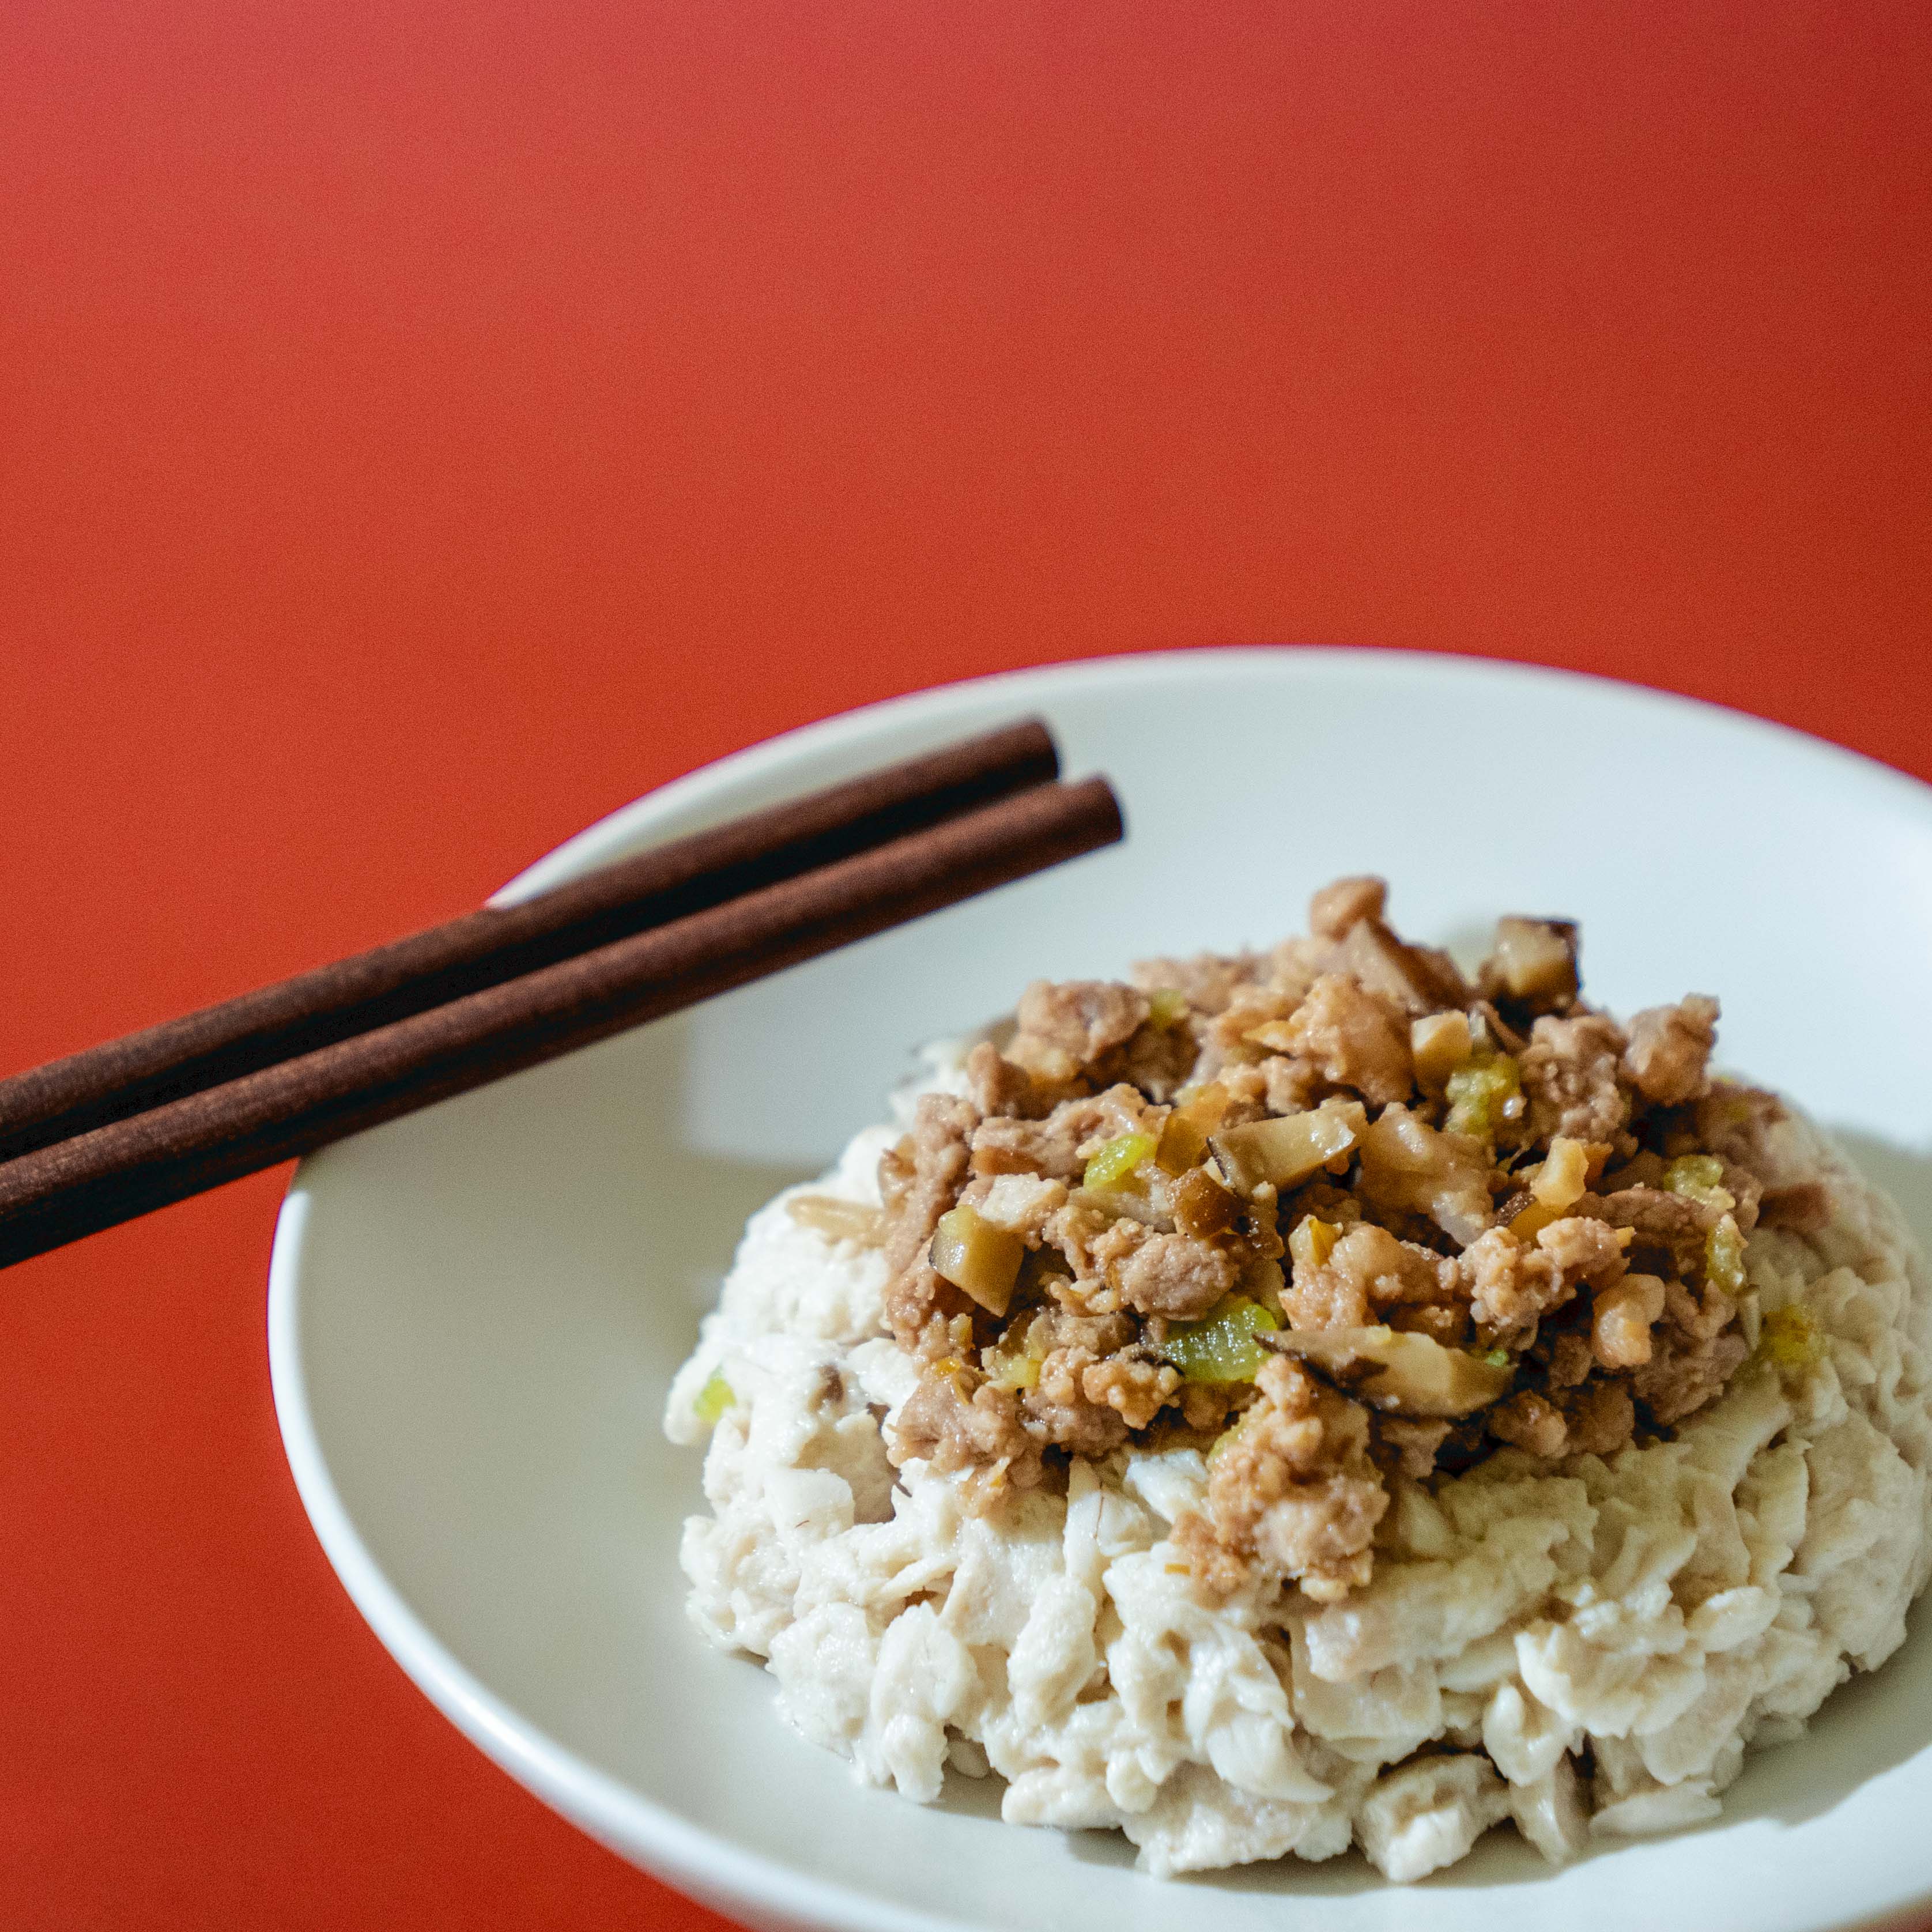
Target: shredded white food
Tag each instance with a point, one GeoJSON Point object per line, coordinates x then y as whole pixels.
{"type": "Point", "coordinates": [1581, 1646]}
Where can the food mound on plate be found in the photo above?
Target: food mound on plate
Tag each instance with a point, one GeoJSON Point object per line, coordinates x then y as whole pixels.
{"type": "Point", "coordinates": [1309, 1396]}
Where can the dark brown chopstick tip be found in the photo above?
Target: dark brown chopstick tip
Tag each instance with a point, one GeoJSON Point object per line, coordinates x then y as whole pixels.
{"type": "Point", "coordinates": [164, 1063]}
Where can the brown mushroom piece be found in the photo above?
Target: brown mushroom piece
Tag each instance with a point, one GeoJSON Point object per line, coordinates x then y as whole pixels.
{"type": "Point", "coordinates": [1533, 963]}
{"type": "Point", "coordinates": [1283, 1153]}
{"type": "Point", "coordinates": [973, 1254]}
{"type": "Point", "coordinates": [1338, 907]}
{"type": "Point", "coordinates": [1397, 1371]}
{"type": "Point", "coordinates": [1415, 979]}
{"type": "Point", "coordinates": [1407, 1166]}
{"type": "Point", "coordinates": [1438, 1044]}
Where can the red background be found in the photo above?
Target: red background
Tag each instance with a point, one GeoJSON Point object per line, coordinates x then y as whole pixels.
{"type": "Point", "coordinates": [428, 424]}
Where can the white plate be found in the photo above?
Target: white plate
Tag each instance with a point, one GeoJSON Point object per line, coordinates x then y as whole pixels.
{"type": "Point", "coordinates": [474, 1313]}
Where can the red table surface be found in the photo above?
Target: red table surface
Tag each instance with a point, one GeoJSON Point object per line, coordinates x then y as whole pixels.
{"type": "Point", "coordinates": [428, 425]}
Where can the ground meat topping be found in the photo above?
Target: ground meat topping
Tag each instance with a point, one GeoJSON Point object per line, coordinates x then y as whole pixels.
{"type": "Point", "coordinates": [1670, 1048]}
{"type": "Point", "coordinates": [1669, 1228]}
{"type": "Point", "coordinates": [1571, 1071]}
{"type": "Point", "coordinates": [1683, 1373]}
{"type": "Point", "coordinates": [1292, 1492]}
{"type": "Point", "coordinates": [1412, 979]}
{"type": "Point", "coordinates": [1804, 1207]}
{"type": "Point", "coordinates": [1408, 1167]}
{"type": "Point", "coordinates": [1206, 981]}
{"type": "Point", "coordinates": [1350, 1038]}
{"type": "Point", "coordinates": [1380, 1219]}
{"type": "Point", "coordinates": [1367, 1270]}
{"type": "Point", "coordinates": [1177, 1276]}
{"type": "Point", "coordinates": [1068, 1026]}
{"type": "Point", "coordinates": [919, 1180]}
{"type": "Point", "coordinates": [1511, 1286]}
{"type": "Point", "coordinates": [1621, 1317]}
{"type": "Point", "coordinates": [998, 1087]}
{"type": "Point", "coordinates": [1336, 909]}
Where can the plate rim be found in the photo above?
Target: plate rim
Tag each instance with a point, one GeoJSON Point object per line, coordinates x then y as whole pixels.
{"type": "Point", "coordinates": [603, 838]}
{"type": "Point", "coordinates": [709, 1867]}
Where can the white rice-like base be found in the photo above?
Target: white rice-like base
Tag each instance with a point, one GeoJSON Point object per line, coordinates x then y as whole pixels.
{"type": "Point", "coordinates": [1671, 1607]}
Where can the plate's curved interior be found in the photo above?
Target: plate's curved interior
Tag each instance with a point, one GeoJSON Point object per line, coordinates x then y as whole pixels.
{"type": "Point", "coordinates": [475, 1311]}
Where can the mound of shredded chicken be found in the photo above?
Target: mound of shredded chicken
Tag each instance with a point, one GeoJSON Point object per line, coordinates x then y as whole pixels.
{"type": "Point", "coordinates": [1333, 1213]}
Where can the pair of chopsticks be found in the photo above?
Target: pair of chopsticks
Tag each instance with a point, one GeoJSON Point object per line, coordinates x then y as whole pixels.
{"type": "Point", "coordinates": [127, 1127]}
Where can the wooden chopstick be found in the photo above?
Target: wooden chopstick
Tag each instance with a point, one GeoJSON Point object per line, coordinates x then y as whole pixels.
{"type": "Point", "coordinates": [160, 1064]}
{"type": "Point", "coordinates": [113, 1173]}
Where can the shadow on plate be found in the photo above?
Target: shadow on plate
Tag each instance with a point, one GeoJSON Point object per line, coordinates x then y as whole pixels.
{"type": "Point", "coordinates": [717, 1188]}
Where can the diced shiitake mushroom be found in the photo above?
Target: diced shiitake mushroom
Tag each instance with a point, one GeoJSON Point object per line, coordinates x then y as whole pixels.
{"type": "Point", "coordinates": [1439, 1045]}
{"type": "Point", "coordinates": [1407, 1165]}
{"type": "Point", "coordinates": [971, 1252]}
{"type": "Point", "coordinates": [1402, 1373]}
{"type": "Point", "coordinates": [1201, 1207]}
{"type": "Point", "coordinates": [1283, 1153]}
{"type": "Point", "coordinates": [1535, 959]}
{"type": "Point", "coordinates": [1183, 1140]}
{"type": "Point", "coordinates": [1407, 976]}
